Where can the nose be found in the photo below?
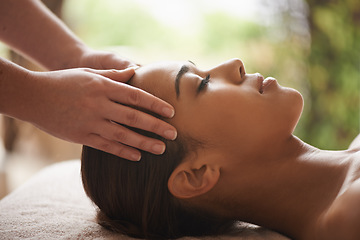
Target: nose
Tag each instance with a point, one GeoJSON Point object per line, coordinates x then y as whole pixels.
{"type": "Point", "coordinates": [232, 70]}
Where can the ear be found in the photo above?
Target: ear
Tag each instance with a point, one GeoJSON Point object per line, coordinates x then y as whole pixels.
{"type": "Point", "coordinates": [187, 181]}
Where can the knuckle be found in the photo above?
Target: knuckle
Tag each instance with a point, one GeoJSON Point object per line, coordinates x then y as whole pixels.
{"type": "Point", "coordinates": [121, 151]}
{"type": "Point", "coordinates": [134, 97]}
{"type": "Point", "coordinates": [142, 145]}
{"type": "Point", "coordinates": [94, 87]}
{"type": "Point", "coordinates": [154, 106]}
{"type": "Point", "coordinates": [132, 118]}
{"type": "Point", "coordinates": [155, 126]}
{"type": "Point", "coordinates": [120, 135]}
{"type": "Point", "coordinates": [105, 147]}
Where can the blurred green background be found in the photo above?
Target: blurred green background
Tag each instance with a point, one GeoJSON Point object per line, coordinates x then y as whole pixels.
{"type": "Point", "coordinates": [313, 46]}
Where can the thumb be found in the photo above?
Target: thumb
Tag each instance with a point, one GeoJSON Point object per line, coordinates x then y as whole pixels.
{"type": "Point", "coordinates": [116, 75]}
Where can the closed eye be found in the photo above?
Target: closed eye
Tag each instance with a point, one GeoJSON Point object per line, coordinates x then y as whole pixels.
{"type": "Point", "coordinates": [204, 82]}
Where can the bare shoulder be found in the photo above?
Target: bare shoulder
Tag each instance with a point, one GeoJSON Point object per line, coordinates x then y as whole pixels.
{"type": "Point", "coordinates": [342, 220]}
{"type": "Point", "coordinates": [355, 144]}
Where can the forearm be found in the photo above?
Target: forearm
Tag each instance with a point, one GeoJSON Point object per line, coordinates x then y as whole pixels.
{"type": "Point", "coordinates": [31, 29]}
{"type": "Point", "coordinates": [15, 91]}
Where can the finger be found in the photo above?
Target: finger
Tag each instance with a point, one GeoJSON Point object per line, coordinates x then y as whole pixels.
{"type": "Point", "coordinates": [134, 65]}
{"type": "Point", "coordinates": [132, 96]}
{"type": "Point", "coordinates": [118, 133]}
{"type": "Point", "coordinates": [113, 147]}
{"type": "Point", "coordinates": [120, 63]}
{"type": "Point", "coordinates": [134, 118]}
{"type": "Point", "coordinates": [116, 75]}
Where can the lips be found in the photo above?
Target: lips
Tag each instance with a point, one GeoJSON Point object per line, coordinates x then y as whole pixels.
{"type": "Point", "coordinates": [264, 83]}
{"type": "Point", "coordinates": [260, 80]}
{"type": "Point", "coordinates": [267, 82]}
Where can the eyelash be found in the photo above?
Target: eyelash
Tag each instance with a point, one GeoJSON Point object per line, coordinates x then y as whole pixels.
{"type": "Point", "coordinates": [204, 82]}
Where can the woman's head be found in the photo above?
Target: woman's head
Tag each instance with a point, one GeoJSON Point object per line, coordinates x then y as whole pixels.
{"type": "Point", "coordinates": [133, 197]}
{"type": "Point", "coordinates": [222, 115]}
{"type": "Point", "coordinates": [230, 110]}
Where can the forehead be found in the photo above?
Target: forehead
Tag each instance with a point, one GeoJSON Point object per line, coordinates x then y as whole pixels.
{"type": "Point", "coordinates": [163, 68]}
{"type": "Point", "coordinates": [157, 78]}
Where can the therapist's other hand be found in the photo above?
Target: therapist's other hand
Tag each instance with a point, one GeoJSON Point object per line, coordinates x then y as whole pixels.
{"type": "Point", "coordinates": [82, 106]}
{"type": "Point", "coordinates": [96, 59]}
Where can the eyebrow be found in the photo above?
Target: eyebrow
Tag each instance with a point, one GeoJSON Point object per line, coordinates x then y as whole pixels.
{"type": "Point", "coordinates": [184, 69]}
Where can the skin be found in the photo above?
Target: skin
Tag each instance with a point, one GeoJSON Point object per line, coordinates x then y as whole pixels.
{"type": "Point", "coordinates": [264, 174]}
{"type": "Point", "coordinates": [76, 105]}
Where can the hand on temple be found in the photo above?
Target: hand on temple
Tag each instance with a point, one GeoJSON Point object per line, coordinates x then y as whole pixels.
{"type": "Point", "coordinates": [111, 137]}
{"type": "Point", "coordinates": [81, 105]}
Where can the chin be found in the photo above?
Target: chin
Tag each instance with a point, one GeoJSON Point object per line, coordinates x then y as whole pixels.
{"type": "Point", "coordinates": [296, 104]}
{"type": "Point", "coordinates": [298, 99]}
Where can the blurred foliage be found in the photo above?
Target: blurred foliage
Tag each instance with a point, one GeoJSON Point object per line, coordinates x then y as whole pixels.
{"type": "Point", "coordinates": [312, 46]}
{"type": "Point", "coordinates": [111, 23]}
{"type": "Point", "coordinates": [332, 119]}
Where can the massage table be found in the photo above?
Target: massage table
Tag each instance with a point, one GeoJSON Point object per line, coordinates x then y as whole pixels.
{"type": "Point", "coordinates": [53, 205]}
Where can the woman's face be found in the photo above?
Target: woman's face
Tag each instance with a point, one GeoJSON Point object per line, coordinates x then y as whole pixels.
{"type": "Point", "coordinates": [235, 113]}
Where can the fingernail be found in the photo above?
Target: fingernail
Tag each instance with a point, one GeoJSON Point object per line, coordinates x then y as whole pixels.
{"type": "Point", "coordinates": [168, 112]}
{"type": "Point", "coordinates": [135, 157]}
{"type": "Point", "coordinates": [129, 68]}
{"type": "Point", "coordinates": [170, 134]}
{"type": "Point", "coordinates": [159, 148]}
{"type": "Point", "coordinates": [134, 67]}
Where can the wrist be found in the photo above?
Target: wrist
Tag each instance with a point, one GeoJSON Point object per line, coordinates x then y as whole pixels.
{"type": "Point", "coordinates": [15, 92]}
{"type": "Point", "coordinates": [72, 57]}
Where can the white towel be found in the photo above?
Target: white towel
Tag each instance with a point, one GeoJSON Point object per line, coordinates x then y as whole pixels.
{"type": "Point", "coordinates": [53, 205]}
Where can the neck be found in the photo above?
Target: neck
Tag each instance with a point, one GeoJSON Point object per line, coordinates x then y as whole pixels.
{"type": "Point", "coordinates": [290, 191]}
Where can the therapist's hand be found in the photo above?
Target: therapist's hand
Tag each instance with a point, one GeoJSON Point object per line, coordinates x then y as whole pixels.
{"type": "Point", "coordinates": [82, 106]}
{"type": "Point", "coordinates": [96, 59]}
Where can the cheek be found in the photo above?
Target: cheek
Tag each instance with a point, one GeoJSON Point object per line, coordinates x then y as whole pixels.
{"type": "Point", "coordinates": [212, 118]}
{"type": "Point", "coordinates": [289, 105]}
{"type": "Point", "coordinates": [252, 118]}
{"type": "Point", "coordinates": [239, 117]}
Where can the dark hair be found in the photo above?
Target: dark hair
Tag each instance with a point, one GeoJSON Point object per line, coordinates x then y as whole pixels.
{"type": "Point", "coordinates": [133, 197]}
